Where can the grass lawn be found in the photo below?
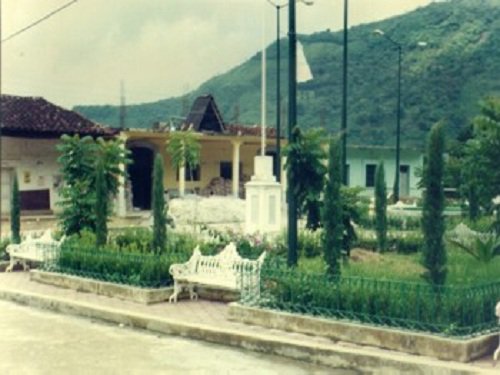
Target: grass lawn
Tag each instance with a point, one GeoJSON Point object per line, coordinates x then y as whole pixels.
{"type": "Point", "coordinates": [462, 268]}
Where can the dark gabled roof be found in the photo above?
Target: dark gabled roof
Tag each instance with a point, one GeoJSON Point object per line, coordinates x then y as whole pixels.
{"type": "Point", "coordinates": [32, 117]}
{"type": "Point", "coordinates": [205, 116]}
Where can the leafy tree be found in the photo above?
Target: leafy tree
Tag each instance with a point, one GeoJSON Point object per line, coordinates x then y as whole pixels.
{"type": "Point", "coordinates": [15, 212]}
{"type": "Point", "coordinates": [482, 152]}
{"type": "Point", "coordinates": [305, 167]}
{"type": "Point", "coordinates": [353, 208]}
{"type": "Point", "coordinates": [184, 149]}
{"type": "Point", "coordinates": [381, 208]}
{"type": "Point", "coordinates": [332, 210]}
{"type": "Point", "coordinates": [101, 205]}
{"type": "Point", "coordinates": [159, 207]}
{"type": "Point", "coordinates": [434, 254]}
{"type": "Point", "coordinates": [78, 161]}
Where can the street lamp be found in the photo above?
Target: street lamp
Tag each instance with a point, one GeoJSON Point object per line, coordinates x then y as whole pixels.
{"type": "Point", "coordinates": [343, 133]}
{"type": "Point", "coordinates": [278, 7]}
{"type": "Point", "coordinates": [292, 121]}
{"type": "Point", "coordinates": [398, 116]}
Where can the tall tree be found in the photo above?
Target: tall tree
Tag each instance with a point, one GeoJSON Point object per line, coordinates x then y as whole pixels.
{"type": "Point", "coordinates": [78, 158]}
{"type": "Point", "coordinates": [101, 205]}
{"type": "Point", "coordinates": [332, 211]}
{"type": "Point", "coordinates": [184, 149]}
{"type": "Point", "coordinates": [381, 208]}
{"type": "Point", "coordinates": [434, 253]}
{"type": "Point", "coordinates": [159, 207]}
{"type": "Point", "coordinates": [305, 166]}
{"type": "Point", "coordinates": [15, 212]}
{"type": "Point", "coordinates": [482, 152]}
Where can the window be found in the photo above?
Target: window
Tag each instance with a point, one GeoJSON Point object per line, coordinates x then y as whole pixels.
{"type": "Point", "coordinates": [347, 172]}
{"type": "Point", "coordinates": [226, 170]}
{"type": "Point", "coordinates": [192, 174]}
{"type": "Point", "coordinates": [370, 175]}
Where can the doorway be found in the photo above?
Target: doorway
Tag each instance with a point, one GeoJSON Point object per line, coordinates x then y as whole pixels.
{"type": "Point", "coordinates": [140, 174]}
{"type": "Point", "coordinates": [404, 180]}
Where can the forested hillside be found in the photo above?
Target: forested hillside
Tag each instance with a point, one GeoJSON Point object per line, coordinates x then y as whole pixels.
{"type": "Point", "coordinates": [444, 80]}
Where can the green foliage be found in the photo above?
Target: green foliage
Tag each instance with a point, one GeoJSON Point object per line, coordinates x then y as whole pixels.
{"type": "Point", "coordinates": [482, 152]}
{"type": "Point", "coordinates": [159, 207]}
{"type": "Point", "coordinates": [304, 165]}
{"type": "Point", "coordinates": [332, 212]}
{"type": "Point", "coordinates": [434, 253]}
{"type": "Point", "coordinates": [145, 270]}
{"type": "Point", "coordinates": [184, 149]}
{"type": "Point", "coordinates": [453, 311]}
{"type": "Point", "coordinates": [405, 242]}
{"type": "Point", "coordinates": [101, 205]}
{"type": "Point", "coordinates": [3, 246]}
{"type": "Point", "coordinates": [78, 161]}
{"type": "Point", "coordinates": [15, 212]}
{"type": "Point", "coordinates": [381, 208]}
{"type": "Point", "coordinates": [442, 81]}
{"type": "Point", "coordinates": [135, 240]}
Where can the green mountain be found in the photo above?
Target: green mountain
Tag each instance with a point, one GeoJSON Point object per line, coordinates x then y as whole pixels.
{"type": "Point", "coordinates": [442, 81]}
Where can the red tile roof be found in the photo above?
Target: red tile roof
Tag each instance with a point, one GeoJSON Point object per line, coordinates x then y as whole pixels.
{"type": "Point", "coordinates": [234, 129]}
{"type": "Point", "coordinates": [31, 116]}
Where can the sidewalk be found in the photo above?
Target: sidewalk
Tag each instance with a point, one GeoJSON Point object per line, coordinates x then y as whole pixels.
{"type": "Point", "coordinates": [206, 320]}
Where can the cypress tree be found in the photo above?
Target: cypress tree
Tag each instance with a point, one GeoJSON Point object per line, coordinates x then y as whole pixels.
{"type": "Point", "coordinates": [101, 205]}
{"type": "Point", "coordinates": [159, 207]}
{"type": "Point", "coordinates": [15, 212]}
{"type": "Point", "coordinates": [434, 254]}
{"type": "Point", "coordinates": [332, 211]}
{"type": "Point", "coordinates": [381, 208]}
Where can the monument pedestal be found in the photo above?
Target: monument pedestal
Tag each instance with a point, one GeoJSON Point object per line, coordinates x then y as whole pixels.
{"type": "Point", "coordinates": [263, 198]}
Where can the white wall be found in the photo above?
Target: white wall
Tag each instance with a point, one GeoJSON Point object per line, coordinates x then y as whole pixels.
{"type": "Point", "coordinates": [35, 161]}
{"type": "Point", "coordinates": [358, 158]}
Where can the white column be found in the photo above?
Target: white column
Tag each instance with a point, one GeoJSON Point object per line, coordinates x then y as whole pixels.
{"type": "Point", "coordinates": [236, 168]}
{"type": "Point", "coordinates": [182, 180]}
{"type": "Point", "coordinates": [121, 204]}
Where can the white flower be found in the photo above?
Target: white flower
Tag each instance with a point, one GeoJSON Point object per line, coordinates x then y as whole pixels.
{"type": "Point", "coordinates": [496, 200]}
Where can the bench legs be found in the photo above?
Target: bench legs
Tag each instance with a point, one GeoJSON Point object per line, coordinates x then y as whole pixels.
{"type": "Point", "coordinates": [14, 261]}
{"type": "Point", "coordinates": [178, 287]}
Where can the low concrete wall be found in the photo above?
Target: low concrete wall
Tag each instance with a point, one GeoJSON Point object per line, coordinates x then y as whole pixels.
{"type": "Point", "coordinates": [125, 292]}
{"type": "Point", "coordinates": [403, 341]}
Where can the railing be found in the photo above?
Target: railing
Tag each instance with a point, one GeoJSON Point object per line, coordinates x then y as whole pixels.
{"type": "Point", "coordinates": [138, 269]}
{"type": "Point", "coordinates": [449, 311]}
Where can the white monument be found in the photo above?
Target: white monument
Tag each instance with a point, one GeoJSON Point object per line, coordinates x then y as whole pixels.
{"type": "Point", "coordinates": [263, 193]}
{"type": "Point", "coordinates": [263, 198]}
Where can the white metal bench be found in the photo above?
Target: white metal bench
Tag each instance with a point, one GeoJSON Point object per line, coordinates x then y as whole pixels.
{"type": "Point", "coordinates": [31, 249]}
{"type": "Point", "coordinates": [226, 270]}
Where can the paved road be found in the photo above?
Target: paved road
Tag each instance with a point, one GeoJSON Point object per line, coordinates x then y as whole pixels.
{"type": "Point", "coordinates": [39, 342]}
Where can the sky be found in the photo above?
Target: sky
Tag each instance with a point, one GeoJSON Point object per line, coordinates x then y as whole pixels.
{"type": "Point", "coordinates": [159, 48]}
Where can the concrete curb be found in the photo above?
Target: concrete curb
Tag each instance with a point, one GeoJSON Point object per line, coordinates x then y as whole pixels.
{"type": "Point", "coordinates": [444, 348]}
{"type": "Point", "coordinates": [125, 292]}
{"type": "Point", "coordinates": [332, 355]}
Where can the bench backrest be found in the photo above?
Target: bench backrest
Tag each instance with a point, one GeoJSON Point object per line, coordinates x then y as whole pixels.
{"type": "Point", "coordinates": [228, 264]}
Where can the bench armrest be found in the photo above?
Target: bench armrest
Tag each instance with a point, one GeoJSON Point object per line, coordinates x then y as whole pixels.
{"type": "Point", "coordinates": [181, 269]}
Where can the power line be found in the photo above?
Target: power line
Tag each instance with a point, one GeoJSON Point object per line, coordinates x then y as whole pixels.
{"type": "Point", "coordinates": [40, 20]}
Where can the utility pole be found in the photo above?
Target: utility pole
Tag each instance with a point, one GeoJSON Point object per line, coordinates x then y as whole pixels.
{"type": "Point", "coordinates": [292, 121]}
{"type": "Point", "coordinates": [343, 132]}
{"type": "Point", "coordinates": [122, 105]}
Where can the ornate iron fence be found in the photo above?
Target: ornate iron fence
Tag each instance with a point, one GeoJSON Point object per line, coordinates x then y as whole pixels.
{"type": "Point", "coordinates": [138, 269]}
{"type": "Point", "coordinates": [459, 311]}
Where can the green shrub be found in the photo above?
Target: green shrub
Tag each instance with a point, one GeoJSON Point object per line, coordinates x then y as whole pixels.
{"type": "Point", "coordinates": [309, 243]}
{"type": "Point", "coordinates": [455, 311]}
{"type": "Point", "coordinates": [134, 240]}
{"type": "Point", "coordinates": [140, 269]}
{"type": "Point", "coordinates": [3, 246]}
